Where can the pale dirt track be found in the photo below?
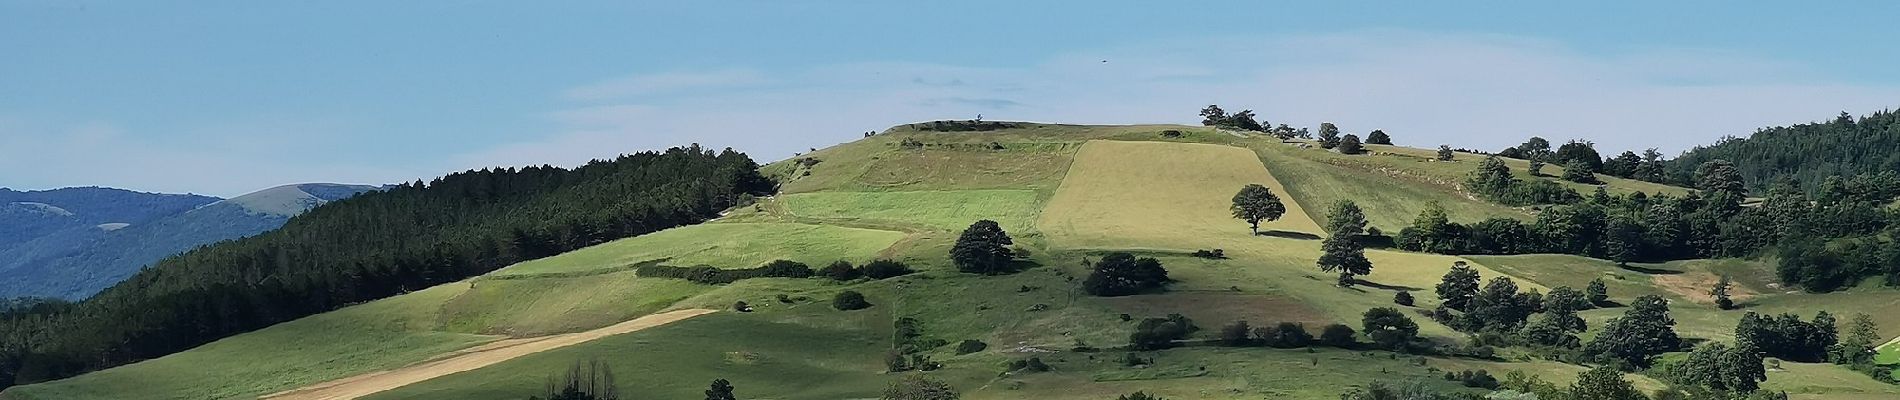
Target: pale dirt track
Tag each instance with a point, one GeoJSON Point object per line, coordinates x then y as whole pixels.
{"type": "Point", "coordinates": [470, 359]}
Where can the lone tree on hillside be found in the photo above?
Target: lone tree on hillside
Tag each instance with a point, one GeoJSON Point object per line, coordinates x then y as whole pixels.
{"type": "Point", "coordinates": [1350, 145]}
{"type": "Point", "coordinates": [1459, 286]}
{"type": "Point", "coordinates": [1121, 274]}
{"type": "Point", "coordinates": [1444, 152]}
{"type": "Point", "coordinates": [1378, 137]}
{"type": "Point", "coordinates": [1537, 168]}
{"type": "Point", "coordinates": [1344, 255]}
{"type": "Point", "coordinates": [1255, 203]}
{"type": "Point", "coordinates": [1345, 219]}
{"type": "Point", "coordinates": [1720, 293]}
{"type": "Point", "coordinates": [1328, 135]}
{"type": "Point", "coordinates": [982, 249]}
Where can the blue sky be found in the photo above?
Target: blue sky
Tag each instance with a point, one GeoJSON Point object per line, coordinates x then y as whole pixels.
{"type": "Point", "coordinates": [223, 98]}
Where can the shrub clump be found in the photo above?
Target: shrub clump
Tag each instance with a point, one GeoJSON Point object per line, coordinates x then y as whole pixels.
{"type": "Point", "coordinates": [971, 346]}
{"type": "Point", "coordinates": [717, 276]}
{"type": "Point", "coordinates": [849, 300]}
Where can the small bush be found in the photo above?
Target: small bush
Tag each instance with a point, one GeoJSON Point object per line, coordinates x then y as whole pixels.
{"type": "Point", "coordinates": [1403, 298]}
{"type": "Point", "coordinates": [741, 306]}
{"type": "Point", "coordinates": [782, 298]}
{"type": "Point", "coordinates": [1287, 335]}
{"type": "Point", "coordinates": [885, 269]}
{"type": "Point", "coordinates": [1214, 254]}
{"type": "Point", "coordinates": [849, 300]}
{"type": "Point", "coordinates": [840, 270]}
{"type": "Point", "coordinates": [1033, 364]}
{"type": "Point", "coordinates": [1339, 335]}
{"type": "Point", "coordinates": [971, 346]}
{"type": "Point", "coordinates": [1133, 360]}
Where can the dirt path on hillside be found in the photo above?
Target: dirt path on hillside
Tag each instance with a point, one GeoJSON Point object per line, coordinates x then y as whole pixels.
{"type": "Point", "coordinates": [470, 359]}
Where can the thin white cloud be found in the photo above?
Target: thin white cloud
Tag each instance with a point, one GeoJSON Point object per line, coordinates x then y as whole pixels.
{"type": "Point", "coordinates": [1478, 91]}
{"type": "Point", "coordinates": [664, 83]}
{"type": "Point", "coordinates": [1475, 91]}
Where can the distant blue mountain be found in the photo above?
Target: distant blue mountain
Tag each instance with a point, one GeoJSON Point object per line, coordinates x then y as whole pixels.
{"type": "Point", "coordinates": [71, 243]}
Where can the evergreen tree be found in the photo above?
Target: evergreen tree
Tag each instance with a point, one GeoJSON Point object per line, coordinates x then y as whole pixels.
{"type": "Point", "coordinates": [1328, 135]}
{"type": "Point", "coordinates": [1378, 137]}
{"type": "Point", "coordinates": [1444, 152]}
{"type": "Point", "coordinates": [983, 248]}
{"type": "Point", "coordinates": [1255, 203]}
{"type": "Point", "coordinates": [1458, 286]}
{"type": "Point", "coordinates": [1344, 255]}
{"type": "Point", "coordinates": [1857, 348]}
{"type": "Point", "coordinates": [1345, 218]}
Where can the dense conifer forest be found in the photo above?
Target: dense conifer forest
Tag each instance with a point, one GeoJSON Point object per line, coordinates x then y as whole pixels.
{"type": "Point", "coordinates": [1811, 153]}
{"type": "Point", "coordinates": [380, 244]}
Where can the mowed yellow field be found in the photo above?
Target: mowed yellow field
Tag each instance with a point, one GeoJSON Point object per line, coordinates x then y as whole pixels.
{"type": "Point", "coordinates": [1155, 195]}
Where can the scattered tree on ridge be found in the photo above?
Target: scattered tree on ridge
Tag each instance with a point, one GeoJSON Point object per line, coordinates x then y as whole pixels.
{"type": "Point", "coordinates": [1328, 135]}
{"type": "Point", "coordinates": [1444, 152]}
{"type": "Point", "coordinates": [1255, 203]}
{"type": "Point", "coordinates": [1579, 172]}
{"type": "Point", "coordinates": [983, 248]}
{"type": "Point", "coordinates": [1378, 137]}
{"type": "Point", "coordinates": [1350, 145]}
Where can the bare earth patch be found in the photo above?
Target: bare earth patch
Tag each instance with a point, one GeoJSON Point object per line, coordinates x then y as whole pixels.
{"type": "Point", "coordinates": [1695, 285]}
{"type": "Point", "coordinates": [471, 359]}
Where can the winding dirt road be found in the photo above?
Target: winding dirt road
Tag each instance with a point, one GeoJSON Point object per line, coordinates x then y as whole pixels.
{"type": "Point", "coordinates": [470, 359]}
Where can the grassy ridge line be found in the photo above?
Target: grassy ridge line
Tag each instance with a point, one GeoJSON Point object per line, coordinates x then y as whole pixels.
{"type": "Point", "coordinates": [1389, 203]}
{"type": "Point", "coordinates": [725, 244]}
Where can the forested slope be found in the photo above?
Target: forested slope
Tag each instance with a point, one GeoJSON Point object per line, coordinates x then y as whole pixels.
{"type": "Point", "coordinates": [1810, 152]}
{"type": "Point", "coordinates": [406, 238]}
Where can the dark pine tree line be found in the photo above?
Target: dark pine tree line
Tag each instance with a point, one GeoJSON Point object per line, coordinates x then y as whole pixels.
{"type": "Point", "coordinates": [1811, 153]}
{"type": "Point", "coordinates": [372, 246]}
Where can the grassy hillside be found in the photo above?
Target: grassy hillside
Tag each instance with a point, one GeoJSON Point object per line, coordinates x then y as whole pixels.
{"type": "Point", "coordinates": [1068, 194]}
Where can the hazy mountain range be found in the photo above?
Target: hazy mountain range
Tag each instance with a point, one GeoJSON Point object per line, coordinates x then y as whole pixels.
{"type": "Point", "coordinates": [73, 242]}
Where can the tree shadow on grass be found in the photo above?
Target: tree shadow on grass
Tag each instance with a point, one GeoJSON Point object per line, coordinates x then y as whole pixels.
{"type": "Point", "coordinates": [1381, 286]}
{"type": "Point", "coordinates": [1288, 234]}
{"type": "Point", "coordinates": [1647, 270]}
